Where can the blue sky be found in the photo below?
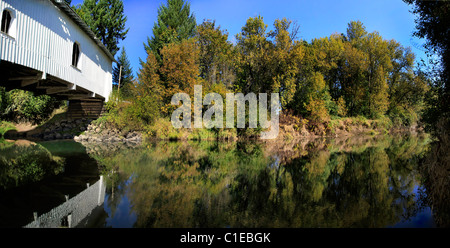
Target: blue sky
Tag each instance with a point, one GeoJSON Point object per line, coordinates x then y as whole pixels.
{"type": "Point", "coordinates": [317, 18]}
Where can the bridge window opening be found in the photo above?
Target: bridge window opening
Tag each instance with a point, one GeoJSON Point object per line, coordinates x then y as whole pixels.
{"type": "Point", "coordinates": [66, 221]}
{"type": "Point", "coordinates": [75, 54]}
{"type": "Point", "coordinates": [6, 21]}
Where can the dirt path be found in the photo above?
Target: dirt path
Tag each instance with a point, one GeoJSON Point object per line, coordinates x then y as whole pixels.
{"type": "Point", "coordinates": [24, 127]}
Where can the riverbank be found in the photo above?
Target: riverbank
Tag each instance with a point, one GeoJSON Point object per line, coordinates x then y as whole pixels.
{"type": "Point", "coordinates": [194, 174]}
{"type": "Point", "coordinates": [96, 131]}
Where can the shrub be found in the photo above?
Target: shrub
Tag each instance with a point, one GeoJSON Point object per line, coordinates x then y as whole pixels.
{"type": "Point", "coordinates": [137, 114]}
{"type": "Point", "coordinates": [5, 127]}
{"type": "Point", "coordinates": [23, 106]}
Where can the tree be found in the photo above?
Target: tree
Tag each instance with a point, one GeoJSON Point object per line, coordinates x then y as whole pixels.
{"type": "Point", "coordinates": [352, 79]}
{"type": "Point", "coordinates": [327, 57]}
{"type": "Point", "coordinates": [178, 72]}
{"type": "Point", "coordinates": [175, 23]}
{"type": "Point", "coordinates": [379, 65]}
{"type": "Point", "coordinates": [432, 23]}
{"type": "Point", "coordinates": [407, 89]}
{"type": "Point", "coordinates": [312, 96]}
{"type": "Point", "coordinates": [126, 74]}
{"type": "Point", "coordinates": [216, 54]}
{"type": "Point", "coordinates": [172, 64]}
{"type": "Point", "coordinates": [355, 32]}
{"type": "Point", "coordinates": [285, 56]}
{"type": "Point", "coordinates": [253, 64]}
{"type": "Point", "coordinates": [106, 19]}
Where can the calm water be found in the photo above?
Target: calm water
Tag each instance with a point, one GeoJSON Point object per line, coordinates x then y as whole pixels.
{"type": "Point", "coordinates": [358, 182]}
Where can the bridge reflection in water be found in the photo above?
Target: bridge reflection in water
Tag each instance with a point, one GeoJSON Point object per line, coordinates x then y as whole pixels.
{"type": "Point", "coordinates": [74, 211]}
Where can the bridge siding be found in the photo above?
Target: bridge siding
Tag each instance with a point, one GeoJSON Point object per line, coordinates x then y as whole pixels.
{"type": "Point", "coordinates": [79, 207]}
{"type": "Point", "coordinates": [42, 38]}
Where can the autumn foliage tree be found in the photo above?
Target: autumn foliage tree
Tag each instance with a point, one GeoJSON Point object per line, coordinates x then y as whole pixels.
{"type": "Point", "coordinates": [357, 73]}
{"type": "Point", "coordinates": [216, 55]}
{"type": "Point", "coordinates": [252, 63]}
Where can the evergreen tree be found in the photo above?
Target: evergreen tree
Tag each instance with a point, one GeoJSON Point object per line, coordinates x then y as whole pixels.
{"type": "Point", "coordinates": [175, 23]}
{"type": "Point", "coordinates": [126, 75]}
{"type": "Point", "coordinates": [106, 19]}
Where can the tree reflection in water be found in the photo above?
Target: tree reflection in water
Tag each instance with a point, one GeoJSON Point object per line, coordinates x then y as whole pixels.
{"type": "Point", "coordinates": [25, 162]}
{"type": "Point", "coordinates": [436, 172]}
{"type": "Point", "coordinates": [373, 182]}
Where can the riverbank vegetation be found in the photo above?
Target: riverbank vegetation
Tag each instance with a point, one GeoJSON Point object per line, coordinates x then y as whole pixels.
{"type": "Point", "coordinates": [325, 84]}
{"type": "Point", "coordinates": [357, 75]}
{"type": "Point", "coordinates": [19, 106]}
{"type": "Point", "coordinates": [431, 23]}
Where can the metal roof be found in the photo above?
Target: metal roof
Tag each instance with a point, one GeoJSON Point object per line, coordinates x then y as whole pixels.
{"type": "Point", "coordinates": [64, 6]}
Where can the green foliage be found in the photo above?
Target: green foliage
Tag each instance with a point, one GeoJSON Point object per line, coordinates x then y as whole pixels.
{"type": "Point", "coordinates": [432, 18]}
{"type": "Point", "coordinates": [383, 123]}
{"type": "Point", "coordinates": [5, 127]}
{"type": "Point", "coordinates": [26, 163]}
{"type": "Point", "coordinates": [175, 23]}
{"type": "Point", "coordinates": [106, 19]}
{"type": "Point", "coordinates": [253, 66]}
{"type": "Point", "coordinates": [130, 115]}
{"type": "Point", "coordinates": [177, 72]}
{"type": "Point", "coordinates": [202, 134]}
{"type": "Point", "coordinates": [216, 54]}
{"type": "Point", "coordinates": [4, 102]}
{"type": "Point", "coordinates": [344, 75]}
{"type": "Point", "coordinates": [285, 56]}
{"type": "Point", "coordinates": [312, 97]}
{"type": "Point", "coordinates": [163, 129]}
{"type": "Point", "coordinates": [124, 73]}
{"type": "Point", "coordinates": [23, 106]}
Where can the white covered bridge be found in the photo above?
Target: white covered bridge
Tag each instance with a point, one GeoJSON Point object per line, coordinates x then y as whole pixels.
{"type": "Point", "coordinates": [46, 48]}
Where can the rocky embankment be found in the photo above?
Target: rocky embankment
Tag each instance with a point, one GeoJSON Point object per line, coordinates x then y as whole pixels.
{"type": "Point", "coordinates": [81, 130]}
{"type": "Point", "coordinates": [100, 134]}
{"type": "Point", "coordinates": [54, 130]}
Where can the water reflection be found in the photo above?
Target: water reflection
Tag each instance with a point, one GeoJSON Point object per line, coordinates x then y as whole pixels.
{"type": "Point", "coordinates": [38, 177]}
{"type": "Point", "coordinates": [73, 212]}
{"type": "Point", "coordinates": [367, 182]}
{"type": "Point", "coordinates": [436, 175]}
{"type": "Point", "coordinates": [358, 182]}
{"type": "Point", "coordinates": [24, 162]}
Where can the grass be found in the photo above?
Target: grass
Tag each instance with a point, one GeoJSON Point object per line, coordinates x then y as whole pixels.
{"type": "Point", "coordinates": [5, 127]}
{"type": "Point", "coordinates": [163, 129]}
{"type": "Point", "coordinates": [57, 115]}
{"type": "Point", "coordinates": [377, 126]}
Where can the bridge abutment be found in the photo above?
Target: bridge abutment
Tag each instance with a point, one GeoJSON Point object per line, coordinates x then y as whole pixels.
{"type": "Point", "coordinates": [86, 108]}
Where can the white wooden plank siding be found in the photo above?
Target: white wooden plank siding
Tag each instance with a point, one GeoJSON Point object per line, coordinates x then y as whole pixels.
{"type": "Point", "coordinates": [41, 37]}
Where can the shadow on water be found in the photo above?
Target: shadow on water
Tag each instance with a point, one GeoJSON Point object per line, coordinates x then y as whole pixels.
{"type": "Point", "coordinates": [37, 177]}
{"type": "Point", "coordinates": [354, 182]}
{"type": "Point", "coordinates": [435, 169]}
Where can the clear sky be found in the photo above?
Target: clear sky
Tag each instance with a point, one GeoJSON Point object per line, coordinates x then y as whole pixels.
{"type": "Point", "coordinates": [316, 18]}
